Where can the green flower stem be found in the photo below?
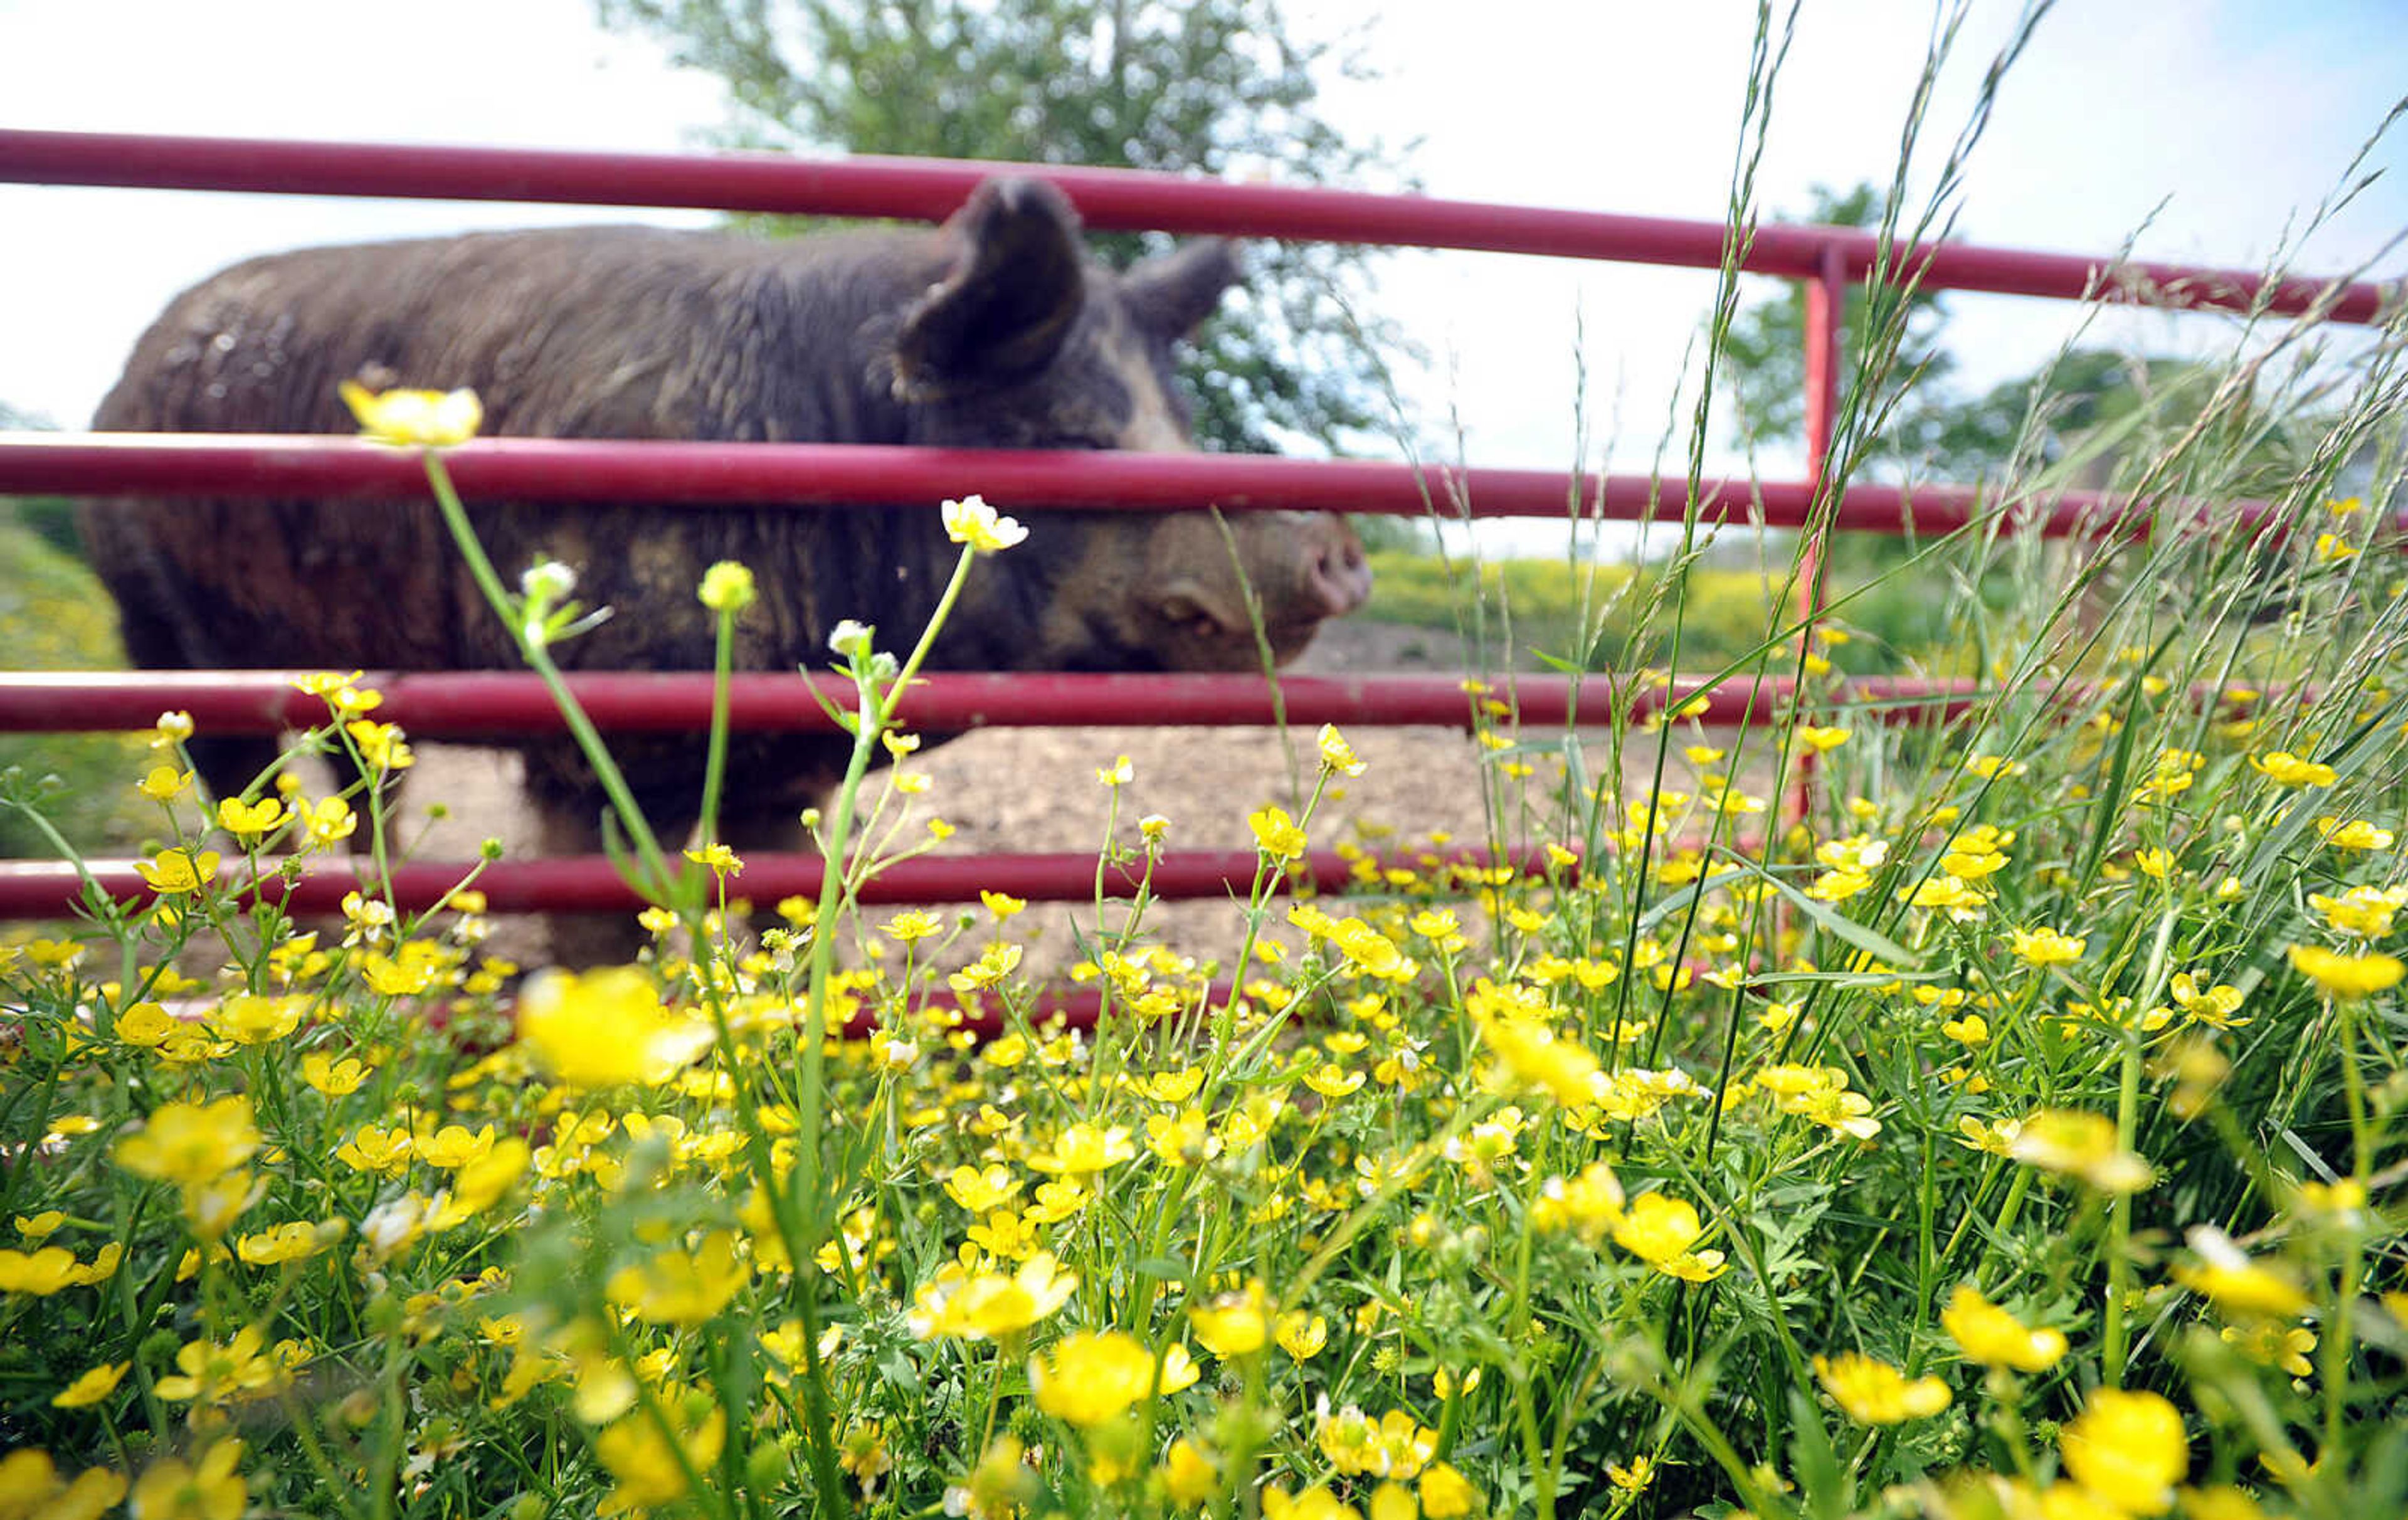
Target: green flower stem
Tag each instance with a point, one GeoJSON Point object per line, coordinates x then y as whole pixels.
{"type": "Point", "coordinates": [876, 710]}
{"type": "Point", "coordinates": [714, 769]}
{"type": "Point", "coordinates": [872, 717]}
{"type": "Point", "coordinates": [1543, 1472]}
{"type": "Point", "coordinates": [2115, 1333]}
{"type": "Point", "coordinates": [659, 879]}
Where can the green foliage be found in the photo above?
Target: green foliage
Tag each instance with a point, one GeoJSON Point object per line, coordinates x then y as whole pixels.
{"type": "Point", "coordinates": [1214, 87]}
{"type": "Point", "coordinates": [1763, 360]}
{"type": "Point", "coordinates": [1896, 626]}
{"type": "Point", "coordinates": [54, 616]}
{"type": "Point", "coordinates": [2027, 1111]}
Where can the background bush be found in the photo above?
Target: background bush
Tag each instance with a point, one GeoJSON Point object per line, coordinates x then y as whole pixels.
{"type": "Point", "coordinates": [54, 616]}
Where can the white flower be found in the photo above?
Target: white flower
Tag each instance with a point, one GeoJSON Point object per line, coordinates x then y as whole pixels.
{"type": "Point", "coordinates": [971, 521]}
{"type": "Point", "coordinates": [548, 581]}
{"type": "Point", "coordinates": [389, 1226]}
{"type": "Point", "coordinates": [852, 639]}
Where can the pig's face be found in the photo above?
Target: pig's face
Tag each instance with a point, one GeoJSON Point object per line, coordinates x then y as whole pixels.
{"type": "Point", "coordinates": [1025, 343]}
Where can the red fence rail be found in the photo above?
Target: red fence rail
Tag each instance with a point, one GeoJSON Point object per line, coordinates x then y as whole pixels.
{"type": "Point", "coordinates": [496, 706]}
{"type": "Point", "coordinates": [589, 885]}
{"type": "Point", "coordinates": [463, 706]}
{"type": "Point", "coordinates": [1120, 200]}
{"type": "Point", "coordinates": [853, 475]}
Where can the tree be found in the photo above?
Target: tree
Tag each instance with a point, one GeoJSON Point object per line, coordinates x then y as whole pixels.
{"type": "Point", "coordinates": [2091, 406]}
{"type": "Point", "coordinates": [1763, 368]}
{"type": "Point", "coordinates": [1212, 86]}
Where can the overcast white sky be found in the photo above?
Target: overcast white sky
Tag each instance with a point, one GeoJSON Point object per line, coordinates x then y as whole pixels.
{"type": "Point", "coordinates": [2228, 120]}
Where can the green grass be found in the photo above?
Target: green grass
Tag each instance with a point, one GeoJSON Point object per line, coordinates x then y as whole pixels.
{"type": "Point", "coordinates": [54, 616]}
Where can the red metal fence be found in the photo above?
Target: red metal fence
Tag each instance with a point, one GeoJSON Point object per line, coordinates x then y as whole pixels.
{"type": "Point", "coordinates": [484, 706]}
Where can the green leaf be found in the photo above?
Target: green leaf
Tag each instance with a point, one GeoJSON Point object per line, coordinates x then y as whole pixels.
{"type": "Point", "coordinates": [1871, 941]}
{"type": "Point", "coordinates": [1813, 1463]}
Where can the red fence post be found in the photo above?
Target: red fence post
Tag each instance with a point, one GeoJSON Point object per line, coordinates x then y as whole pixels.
{"type": "Point", "coordinates": [1826, 305]}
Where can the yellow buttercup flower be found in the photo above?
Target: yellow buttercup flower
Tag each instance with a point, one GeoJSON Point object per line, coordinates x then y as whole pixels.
{"type": "Point", "coordinates": [979, 1306]}
{"type": "Point", "coordinates": [651, 1475]}
{"type": "Point", "coordinates": [971, 521]}
{"type": "Point", "coordinates": [2045, 947]}
{"type": "Point", "coordinates": [296, 1241]}
{"type": "Point", "coordinates": [1874, 1392]}
{"type": "Point", "coordinates": [178, 870]}
{"type": "Point", "coordinates": [728, 587]}
{"type": "Point", "coordinates": [1084, 1148]}
{"type": "Point", "coordinates": [1637, 1478]}
{"type": "Point", "coordinates": [380, 744]}
{"type": "Point", "coordinates": [191, 1143]}
{"type": "Point", "coordinates": [2214, 1005]}
{"type": "Point", "coordinates": [2274, 1345]}
{"type": "Point", "coordinates": [1989, 1335]}
{"type": "Point", "coordinates": [1315, 1503]}
{"type": "Point", "coordinates": [1961, 901]}
{"type": "Point", "coordinates": [2237, 1284]}
{"type": "Point", "coordinates": [1189, 1474]}
{"type": "Point", "coordinates": [329, 821]}
{"type": "Point", "coordinates": [717, 858]}
{"type": "Point", "coordinates": [479, 1185]}
{"type": "Point", "coordinates": [2364, 911]}
{"type": "Point", "coordinates": [2346, 976]}
{"type": "Point", "coordinates": [1659, 1230]}
{"type": "Point", "coordinates": [1446, 1494]}
{"type": "Point", "coordinates": [982, 1190]}
{"type": "Point", "coordinates": [417, 419]}
{"type": "Point", "coordinates": [248, 820]}
{"type": "Point", "coordinates": [454, 1146]}
{"type": "Point", "coordinates": [2353, 834]}
{"type": "Point", "coordinates": [1394, 1445]}
{"type": "Point", "coordinates": [2128, 1451]}
{"type": "Point", "coordinates": [385, 1152]}
{"type": "Point", "coordinates": [37, 1273]}
{"type": "Point", "coordinates": [252, 1020]}
{"type": "Point", "coordinates": [164, 783]}
{"type": "Point", "coordinates": [606, 1027]}
{"type": "Point", "coordinates": [2285, 768]}
{"type": "Point", "coordinates": [1301, 1334]}
{"type": "Point", "coordinates": [331, 1077]}
{"type": "Point", "coordinates": [90, 1386]}
{"type": "Point", "coordinates": [210, 1489]}
{"type": "Point", "coordinates": [211, 1373]}
{"type": "Point", "coordinates": [912, 926]}
{"type": "Point", "coordinates": [1336, 755]}
{"type": "Point", "coordinates": [1091, 1377]}
{"type": "Point", "coordinates": [1233, 1323]}
{"type": "Point", "coordinates": [1277, 834]}
{"type": "Point", "coordinates": [682, 1288]}
{"type": "Point", "coordinates": [2082, 1144]}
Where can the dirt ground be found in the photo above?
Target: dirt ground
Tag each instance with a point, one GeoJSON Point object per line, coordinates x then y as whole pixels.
{"type": "Point", "coordinates": [1022, 790]}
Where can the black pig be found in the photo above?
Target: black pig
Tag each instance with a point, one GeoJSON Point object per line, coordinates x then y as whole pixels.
{"type": "Point", "coordinates": [995, 330]}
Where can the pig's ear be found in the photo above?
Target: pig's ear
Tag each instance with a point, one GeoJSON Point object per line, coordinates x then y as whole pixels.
{"type": "Point", "coordinates": [1169, 296]}
{"type": "Point", "coordinates": [1189, 604]}
{"type": "Point", "coordinates": [1016, 286]}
